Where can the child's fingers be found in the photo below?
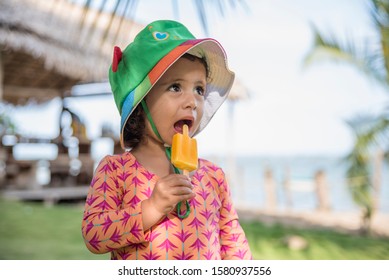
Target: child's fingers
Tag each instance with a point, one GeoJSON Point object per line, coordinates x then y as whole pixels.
{"type": "Point", "coordinates": [172, 189]}
{"type": "Point", "coordinates": [182, 191]}
{"type": "Point", "coordinates": [188, 196]}
{"type": "Point", "coordinates": [178, 180]}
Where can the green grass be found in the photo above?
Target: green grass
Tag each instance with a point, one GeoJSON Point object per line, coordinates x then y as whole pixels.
{"type": "Point", "coordinates": [32, 231]}
{"type": "Point", "coordinates": [266, 242]}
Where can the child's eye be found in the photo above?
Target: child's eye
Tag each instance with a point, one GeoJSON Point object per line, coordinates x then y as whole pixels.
{"type": "Point", "coordinates": [200, 90]}
{"type": "Point", "coordinates": [175, 87]}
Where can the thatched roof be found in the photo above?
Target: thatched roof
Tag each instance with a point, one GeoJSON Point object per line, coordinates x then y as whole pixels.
{"type": "Point", "coordinates": [44, 50]}
{"type": "Point", "coordinates": [48, 46]}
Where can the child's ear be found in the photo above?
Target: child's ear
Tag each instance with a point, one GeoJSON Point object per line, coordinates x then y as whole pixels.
{"type": "Point", "coordinates": [117, 57]}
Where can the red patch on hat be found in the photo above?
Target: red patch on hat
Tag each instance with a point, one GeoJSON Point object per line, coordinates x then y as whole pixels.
{"type": "Point", "coordinates": [117, 57]}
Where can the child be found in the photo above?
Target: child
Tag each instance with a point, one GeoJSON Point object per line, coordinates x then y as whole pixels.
{"type": "Point", "coordinates": [164, 79]}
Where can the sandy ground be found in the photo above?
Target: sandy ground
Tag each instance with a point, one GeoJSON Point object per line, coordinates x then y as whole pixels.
{"type": "Point", "coordinates": [348, 222]}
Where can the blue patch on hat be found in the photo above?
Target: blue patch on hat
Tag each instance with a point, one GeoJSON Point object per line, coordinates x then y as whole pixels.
{"type": "Point", "coordinates": [127, 107]}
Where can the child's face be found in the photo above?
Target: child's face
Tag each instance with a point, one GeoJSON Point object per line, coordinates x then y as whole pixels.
{"type": "Point", "coordinates": [178, 99]}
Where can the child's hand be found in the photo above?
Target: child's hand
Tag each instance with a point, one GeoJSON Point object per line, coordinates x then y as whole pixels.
{"type": "Point", "coordinates": [170, 190]}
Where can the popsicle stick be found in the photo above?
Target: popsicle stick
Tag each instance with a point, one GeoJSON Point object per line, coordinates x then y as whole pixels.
{"type": "Point", "coordinates": [185, 172]}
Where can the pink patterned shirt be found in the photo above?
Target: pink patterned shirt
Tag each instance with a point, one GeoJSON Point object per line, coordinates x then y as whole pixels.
{"type": "Point", "coordinates": [113, 219]}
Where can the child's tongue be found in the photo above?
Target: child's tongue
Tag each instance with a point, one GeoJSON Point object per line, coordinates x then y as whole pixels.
{"type": "Point", "coordinates": [178, 126]}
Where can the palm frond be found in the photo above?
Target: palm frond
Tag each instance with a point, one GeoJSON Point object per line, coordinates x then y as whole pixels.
{"type": "Point", "coordinates": [371, 131]}
{"type": "Point", "coordinates": [127, 9]}
{"type": "Point", "coordinates": [114, 12]}
{"type": "Point", "coordinates": [93, 28]}
{"type": "Point", "coordinates": [176, 12]}
{"type": "Point", "coordinates": [220, 6]}
{"type": "Point", "coordinates": [328, 48]}
{"type": "Point", "coordinates": [379, 11]}
{"type": "Point", "coordinates": [201, 12]}
{"type": "Point", "coordinates": [128, 12]}
{"type": "Point", "coordinates": [85, 10]}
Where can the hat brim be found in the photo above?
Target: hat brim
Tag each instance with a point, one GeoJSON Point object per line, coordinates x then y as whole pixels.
{"type": "Point", "coordinates": [219, 84]}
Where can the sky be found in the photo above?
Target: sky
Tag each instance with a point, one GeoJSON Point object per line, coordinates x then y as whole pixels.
{"type": "Point", "coordinates": [291, 110]}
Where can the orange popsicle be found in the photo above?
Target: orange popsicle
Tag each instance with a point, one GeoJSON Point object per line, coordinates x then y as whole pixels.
{"type": "Point", "coordinates": [184, 151]}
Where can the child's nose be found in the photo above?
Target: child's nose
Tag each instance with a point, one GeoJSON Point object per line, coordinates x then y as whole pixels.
{"type": "Point", "coordinates": [190, 100]}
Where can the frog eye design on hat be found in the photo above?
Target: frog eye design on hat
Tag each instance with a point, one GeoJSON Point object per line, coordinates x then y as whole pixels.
{"type": "Point", "coordinates": [160, 36]}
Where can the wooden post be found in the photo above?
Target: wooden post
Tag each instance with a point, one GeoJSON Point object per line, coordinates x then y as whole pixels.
{"type": "Point", "coordinates": [321, 186]}
{"type": "Point", "coordinates": [287, 191]}
{"type": "Point", "coordinates": [377, 178]}
{"type": "Point", "coordinates": [1, 78]}
{"type": "Point", "coordinates": [270, 191]}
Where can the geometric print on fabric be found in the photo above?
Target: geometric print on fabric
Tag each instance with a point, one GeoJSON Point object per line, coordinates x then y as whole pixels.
{"type": "Point", "coordinates": [112, 220]}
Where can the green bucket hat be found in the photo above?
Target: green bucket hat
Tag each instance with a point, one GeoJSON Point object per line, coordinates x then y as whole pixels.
{"type": "Point", "coordinates": [161, 43]}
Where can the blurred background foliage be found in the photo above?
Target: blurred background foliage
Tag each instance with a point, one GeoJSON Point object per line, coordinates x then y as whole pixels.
{"type": "Point", "coordinates": [371, 132]}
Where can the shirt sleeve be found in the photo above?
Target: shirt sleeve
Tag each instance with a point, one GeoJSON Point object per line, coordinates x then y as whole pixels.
{"type": "Point", "coordinates": [106, 225]}
{"type": "Point", "coordinates": [234, 245]}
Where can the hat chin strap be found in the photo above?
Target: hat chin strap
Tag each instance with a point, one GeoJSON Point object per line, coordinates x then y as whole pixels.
{"type": "Point", "coordinates": [146, 109]}
{"type": "Point", "coordinates": [155, 130]}
{"type": "Point", "coordinates": [168, 151]}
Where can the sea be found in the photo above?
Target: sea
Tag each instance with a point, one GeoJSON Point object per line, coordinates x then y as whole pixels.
{"type": "Point", "coordinates": [246, 176]}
